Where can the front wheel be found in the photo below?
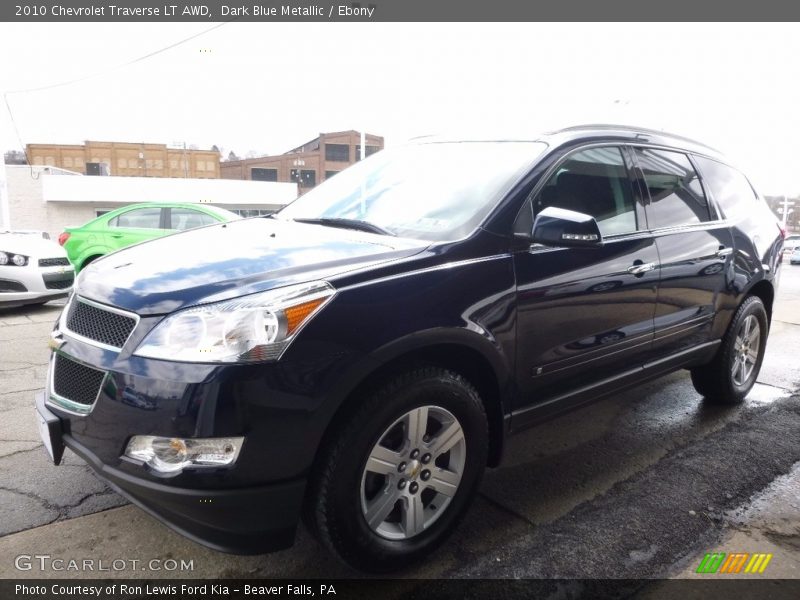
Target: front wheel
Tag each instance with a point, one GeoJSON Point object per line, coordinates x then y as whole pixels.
{"type": "Point", "coordinates": [400, 472]}
{"type": "Point", "coordinates": [730, 376]}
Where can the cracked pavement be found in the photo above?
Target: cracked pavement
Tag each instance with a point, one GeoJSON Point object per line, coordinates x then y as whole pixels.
{"type": "Point", "coordinates": [32, 492]}
{"type": "Point", "coordinates": [639, 485]}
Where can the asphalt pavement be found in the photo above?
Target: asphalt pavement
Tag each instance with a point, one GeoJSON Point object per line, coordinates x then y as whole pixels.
{"type": "Point", "coordinates": [639, 485]}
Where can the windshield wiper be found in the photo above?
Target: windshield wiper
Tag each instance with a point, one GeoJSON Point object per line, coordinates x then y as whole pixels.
{"type": "Point", "coordinates": [346, 224]}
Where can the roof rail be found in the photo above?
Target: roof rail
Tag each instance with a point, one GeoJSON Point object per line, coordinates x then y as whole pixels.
{"type": "Point", "coordinates": [633, 129]}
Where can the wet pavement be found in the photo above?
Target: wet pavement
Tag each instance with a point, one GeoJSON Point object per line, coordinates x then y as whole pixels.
{"type": "Point", "coordinates": [641, 484]}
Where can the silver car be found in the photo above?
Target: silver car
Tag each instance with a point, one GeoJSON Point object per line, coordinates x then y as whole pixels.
{"type": "Point", "coordinates": [33, 270]}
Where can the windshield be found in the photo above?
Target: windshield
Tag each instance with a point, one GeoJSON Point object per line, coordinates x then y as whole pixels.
{"type": "Point", "coordinates": [438, 191]}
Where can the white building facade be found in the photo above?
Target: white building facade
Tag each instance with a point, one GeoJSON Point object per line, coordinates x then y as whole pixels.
{"type": "Point", "coordinates": [50, 199]}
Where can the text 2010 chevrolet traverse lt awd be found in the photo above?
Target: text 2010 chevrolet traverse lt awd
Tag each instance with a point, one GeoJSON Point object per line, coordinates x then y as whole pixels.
{"type": "Point", "coordinates": [361, 356]}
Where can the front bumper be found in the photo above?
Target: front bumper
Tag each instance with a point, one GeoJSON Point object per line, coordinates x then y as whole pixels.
{"type": "Point", "coordinates": [29, 284]}
{"type": "Point", "coordinates": [248, 520]}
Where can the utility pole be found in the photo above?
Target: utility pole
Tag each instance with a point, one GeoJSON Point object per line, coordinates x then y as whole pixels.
{"type": "Point", "coordinates": [786, 210]}
{"type": "Point", "coordinates": [5, 215]}
{"type": "Point", "coordinates": [363, 182]}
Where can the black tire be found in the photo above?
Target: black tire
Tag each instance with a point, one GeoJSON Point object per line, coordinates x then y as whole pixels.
{"type": "Point", "coordinates": [89, 261]}
{"type": "Point", "coordinates": [715, 380]}
{"type": "Point", "coordinates": [333, 510]}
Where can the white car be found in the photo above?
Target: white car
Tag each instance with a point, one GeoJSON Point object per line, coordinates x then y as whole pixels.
{"type": "Point", "coordinates": [792, 242]}
{"type": "Point", "coordinates": [794, 258]}
{"type": "Point", "coordinates": [33, 270]}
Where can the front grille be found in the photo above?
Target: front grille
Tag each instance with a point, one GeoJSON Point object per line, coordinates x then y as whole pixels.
{"type": "Point", "coordinates": [61, 261]}
{"type": "Point", "coordinates": [104, 326]}
{"type": "Point", "coordinates": [58, 282]}
{"type": "Point", "coordinates": [11, 286]}
{"type": "Point", "coordinates": [76, 382]}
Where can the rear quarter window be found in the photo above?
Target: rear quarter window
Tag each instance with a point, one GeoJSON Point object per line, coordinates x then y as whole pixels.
{"type": "Point", "coordinates": [733, 193]}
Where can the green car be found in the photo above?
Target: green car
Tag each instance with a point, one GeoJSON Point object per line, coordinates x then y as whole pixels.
{"type": "Point", "coordinates": [133, 224]}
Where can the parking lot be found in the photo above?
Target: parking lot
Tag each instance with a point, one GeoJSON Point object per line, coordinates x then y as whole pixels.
{"type": "Point", "coordinates": [639, 485]}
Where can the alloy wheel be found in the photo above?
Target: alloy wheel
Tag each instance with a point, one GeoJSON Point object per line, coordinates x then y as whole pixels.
{"type": "Point", "coordinates": [745, 350]}
{"type": "Point", "coordinates": [413, 472]}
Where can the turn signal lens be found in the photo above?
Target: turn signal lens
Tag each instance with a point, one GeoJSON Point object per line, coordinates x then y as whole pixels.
{"type": "Point", "coordinates": [296, 315]}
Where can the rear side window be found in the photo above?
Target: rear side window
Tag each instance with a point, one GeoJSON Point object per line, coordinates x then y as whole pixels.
{"type": "Point", "coordinates": [593, 182]}
{"type": "Point", "coordinates": [676, 194]}
{"type": "Point", "coordinates": [185, 218]}
{"type": "Point", "coordinates": [140, 218]}
{"type": "Point", "coordinates": [731, 190]}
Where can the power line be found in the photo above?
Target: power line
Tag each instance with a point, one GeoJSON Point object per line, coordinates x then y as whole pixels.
{"type": "Point", "coordinates": [118, 67]}
{"type": "Point", "coordinates": [138, 59]}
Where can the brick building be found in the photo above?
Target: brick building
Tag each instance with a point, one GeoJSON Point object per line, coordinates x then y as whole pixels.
{"type": "Point", "coordinates": [308, 164]}
{"type": "Point", "coordinates": [127, 159]}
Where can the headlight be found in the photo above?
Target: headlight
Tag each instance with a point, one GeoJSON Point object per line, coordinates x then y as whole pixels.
{"type": "Point", "coordinates": [172, 455]}
{"type": "Point", "coordinates": [252, 328]}
{"type": "Point", "coordinates": [18, 260]}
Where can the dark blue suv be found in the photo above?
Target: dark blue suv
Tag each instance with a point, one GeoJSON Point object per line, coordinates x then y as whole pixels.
{"type": "Point", "coordinates": [360, 357]}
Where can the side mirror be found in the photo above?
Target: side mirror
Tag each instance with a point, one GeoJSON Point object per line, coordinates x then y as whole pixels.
{"type": "Point", "coordinates": [566, 228]}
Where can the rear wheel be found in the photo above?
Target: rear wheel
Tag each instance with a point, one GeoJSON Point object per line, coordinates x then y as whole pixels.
{"type": "Point", "coordinates": [400, 472]}
{"type": "Point", "coordinates": [730, 376]}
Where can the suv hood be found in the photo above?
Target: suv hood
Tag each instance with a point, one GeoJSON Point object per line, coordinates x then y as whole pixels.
{"type": "Point", "coordinates": [233, 259]}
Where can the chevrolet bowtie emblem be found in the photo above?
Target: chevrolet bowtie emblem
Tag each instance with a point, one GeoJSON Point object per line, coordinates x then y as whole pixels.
{"type": "Point", "coordinates": [55, 343]}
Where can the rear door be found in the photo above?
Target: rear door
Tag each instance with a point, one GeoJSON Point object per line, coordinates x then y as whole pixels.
{"type": "Point", "coordinates": [134, 226]}
{"type": "Point", "coordinates": [585, 314]}
{"type": "Point", "coordinates": [694, 248]}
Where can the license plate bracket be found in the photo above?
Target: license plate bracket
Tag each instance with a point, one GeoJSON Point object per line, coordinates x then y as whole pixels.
{"type": "Point", "coordinates": [49, 426]}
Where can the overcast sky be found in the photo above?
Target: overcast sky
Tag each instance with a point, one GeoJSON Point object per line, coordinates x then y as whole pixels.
{"type": "Point", "coordinates": [269, 87]}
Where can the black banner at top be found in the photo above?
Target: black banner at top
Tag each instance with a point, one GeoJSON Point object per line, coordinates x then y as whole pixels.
{"type": "Point", "coordinates": [395, 10]}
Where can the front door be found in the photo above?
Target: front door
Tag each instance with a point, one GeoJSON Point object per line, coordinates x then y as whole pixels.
{"type": "Point", "coordinates": [585, 314]}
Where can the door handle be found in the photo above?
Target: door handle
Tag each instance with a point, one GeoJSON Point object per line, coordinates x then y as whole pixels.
{"type": "Point", "coordinates": [641, 268]}
{"type": "Point", "coordinates": [116, 235]}
{"type": "Point", "coordinates": [724, 252]}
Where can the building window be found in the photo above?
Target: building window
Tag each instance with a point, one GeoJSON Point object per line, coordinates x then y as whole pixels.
{"type": "Point", "coordinates": [370, 151]}
{"type": "Point", "coordinates": [96, 168]}
{"type": "Point", "coordinates": [99, 212]}
{"type": "Point", "coordinates": [337, 152]}
{"type": "Point", "coordinates": [329, 174]}
{"type": "Point", "coordinates": [306, 178]}
{"type": "Point", "coordinates": [257, 174]}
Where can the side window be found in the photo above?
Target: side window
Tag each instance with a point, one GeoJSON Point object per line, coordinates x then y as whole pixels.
{"type": "Point", "coordinates": [186, 218]}
{"type": "Point", "coordinates": [141, 218]}
{"type": "Point", "coordinates": [594, 182]}
{"type": "Point", "coordinates": [731, 190]}
{"type": "Point", "coordinates": [676, 194]}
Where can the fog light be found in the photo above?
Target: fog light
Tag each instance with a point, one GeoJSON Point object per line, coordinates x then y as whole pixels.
{"type": "Point", "coordinates": [172, 455]}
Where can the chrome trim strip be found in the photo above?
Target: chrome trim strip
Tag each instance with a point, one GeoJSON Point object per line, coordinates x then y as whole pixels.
{"type": "Point", "coordinates": [65, 404]}
{"type": "Point", "coordinates": [99, 306]}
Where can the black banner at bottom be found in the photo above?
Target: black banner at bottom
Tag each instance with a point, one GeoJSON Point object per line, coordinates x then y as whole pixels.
{"type": "Point", "coordinates": [404, 589]}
